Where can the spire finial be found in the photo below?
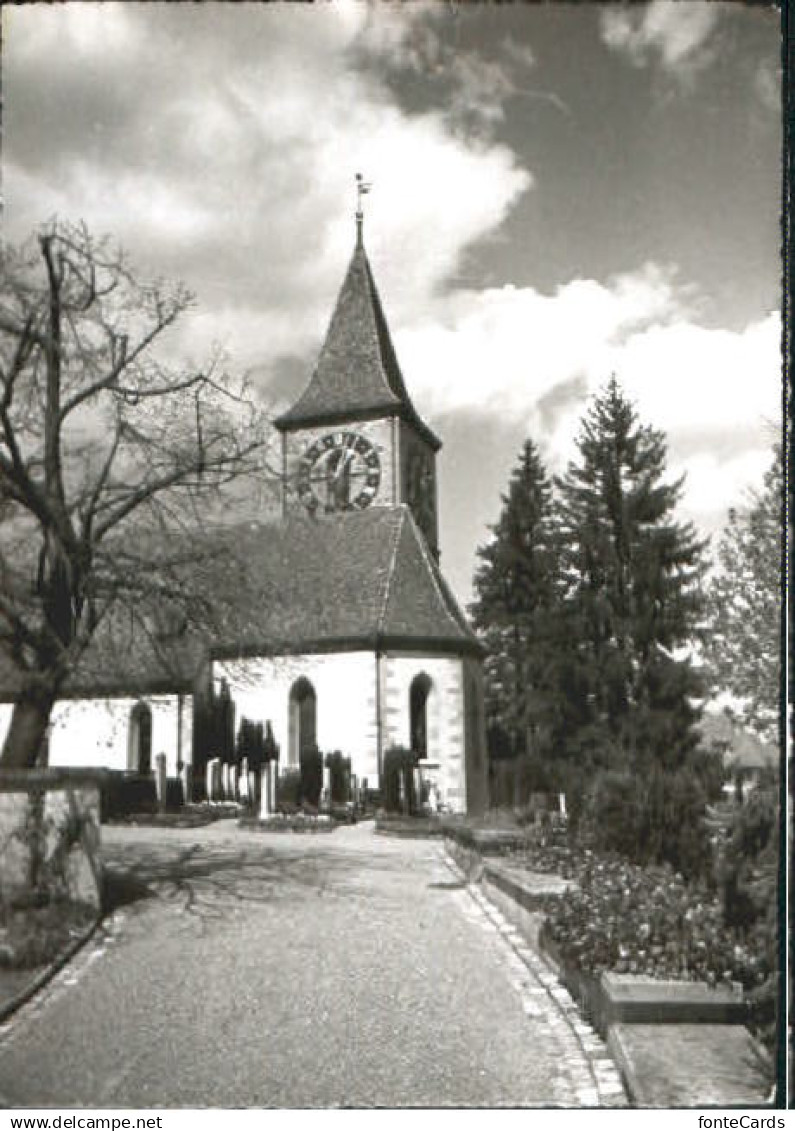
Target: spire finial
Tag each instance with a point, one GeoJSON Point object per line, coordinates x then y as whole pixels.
{"type": "Point", "coordinates": [362, 188]}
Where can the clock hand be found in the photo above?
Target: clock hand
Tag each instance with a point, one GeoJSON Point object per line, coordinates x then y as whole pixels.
{"type": "Point", "coordinates": [343, 462]}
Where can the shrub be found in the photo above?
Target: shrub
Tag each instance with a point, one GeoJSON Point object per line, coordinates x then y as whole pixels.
{"type": "Point", "coordinates": [288, 790]}
{"type": "Point", "coordinates": [340, 773]}
{"type": "Point", "coordinates": [124, 793]}
{"type": "Point", "coordinates": [398, 767]}
{"type": "Point", "coordinates": [654, 817]}
{"type": "Point", "coordinates": [249, 744]}
{"type": "Point", "coordinates": [747, 877]}
{"type": "Point", "coordinates": [311, 772]}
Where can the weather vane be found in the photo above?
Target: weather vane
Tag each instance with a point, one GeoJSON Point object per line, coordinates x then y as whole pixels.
{"type": "Point", "coordinates": [362, 188]}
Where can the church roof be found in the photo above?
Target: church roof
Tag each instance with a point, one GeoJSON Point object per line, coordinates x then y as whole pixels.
{"type": "Point", "coordinates": [362, 579]}
{"type": "Point", "coordinates": [357, 375]}
{"type": "Point", "coordinates": [359, 580]}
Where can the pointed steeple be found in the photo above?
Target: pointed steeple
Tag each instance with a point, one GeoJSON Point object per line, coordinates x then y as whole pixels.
{"type": "Point", "coordinates": [357, 374]}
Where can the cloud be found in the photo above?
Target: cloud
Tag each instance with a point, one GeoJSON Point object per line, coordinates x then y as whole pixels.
{"type": "Point", "coordinates": [671, 32]}
{"type": "Point", "coordinates": [219, 146]}
{"type": "Point", "coordinates": [514, 354]}
{"type": "Point", "coordinates": [473, 86]}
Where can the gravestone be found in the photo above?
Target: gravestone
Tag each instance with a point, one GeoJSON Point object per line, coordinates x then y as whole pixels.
{"type": "Point", "coordinates": [272, 778]}
{"type": "Point", "coordinates": [266, 792]}
{"type": "Point", "coordinates": [214, 779]}
{"type": "Point", "coordinates": [243, 783]}
{"type": "Point", "coordinates": [160, 781]}
{"type": "Point", "coordinates": [226, 781]}
{"type": "Point", "coordinates": [325, 792]}
{"type": "Point", "coordinates": [186, 774]}
{"type": "Point", "coordinates": [254, 786]}
{"type": "Point", "coordinates": [418, 787]}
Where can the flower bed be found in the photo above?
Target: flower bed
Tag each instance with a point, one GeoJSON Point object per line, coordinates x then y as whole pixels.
{"type": "Point", "coordinates": [648, 921]}
{"type": "Point", "coordinates": [191, 816]}
{"type": "Point", "coordinates": [292, 823]}
{"type": "Point", "coordinates": [635, 920]}
{"type": "Point", "coordinates": [392, 825]}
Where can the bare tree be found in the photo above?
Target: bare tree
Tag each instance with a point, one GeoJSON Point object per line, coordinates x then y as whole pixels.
{"type": "Point", "coordinates": [109, 458]}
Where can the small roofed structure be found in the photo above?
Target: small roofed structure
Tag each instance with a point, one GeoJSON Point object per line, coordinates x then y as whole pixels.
{"type": "Point", "coordinates": [746, 756]}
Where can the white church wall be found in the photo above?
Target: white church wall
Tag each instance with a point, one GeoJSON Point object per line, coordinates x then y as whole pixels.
{"type": "Point", "coordinates": [94, 732]}
{"type": "Point", "coordinates": [345, 690]}
{"type": "Point", "coordinates": [444, 715]}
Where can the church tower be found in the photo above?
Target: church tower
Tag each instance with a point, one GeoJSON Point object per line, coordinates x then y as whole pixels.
{"type": "Point", "coordinates": [353, 439]}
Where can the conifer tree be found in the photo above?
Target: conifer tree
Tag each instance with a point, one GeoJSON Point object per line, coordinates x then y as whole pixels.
{"type": "Point", "coordinates": [517, 595]}
{"type": "Point", "coordinates": [743, 644]}
{"type": "Point", "coordinates": [633, 593]}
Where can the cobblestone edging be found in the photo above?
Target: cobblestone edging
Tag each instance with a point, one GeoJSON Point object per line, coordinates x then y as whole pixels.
{"type": "Point", "coordinates": [589, 1077]}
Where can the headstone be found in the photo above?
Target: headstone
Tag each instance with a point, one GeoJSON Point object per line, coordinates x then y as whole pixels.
{"type": "Point", "coordinates": [418, 787]}
{"type": "Point", "coordinates": [403, 798]}
{"type": "Point", "coordinates": [226, 781]}
{"type": "Point", "coordinates": [254, 788]}
{"type": "Point", "coordinates": [272, 776]}
{"type": "Point", "coordinates": [160, 781]}
{"type": "Point", "coordinates": [187, 782]}
{"type": "Point", "coordinates": [325, 793]}
{"type": "Point", "coordinates": [562, 804]}
{"type": "Point", "coordinates": [214, 777]}
{"type": "Point", "coordinates": [242, 785]}
{"type": "Point", "coordinates": [265, 808]}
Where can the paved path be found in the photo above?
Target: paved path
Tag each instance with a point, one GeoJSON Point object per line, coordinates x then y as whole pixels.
{"type": "Point", "coordinates": [268, 970]}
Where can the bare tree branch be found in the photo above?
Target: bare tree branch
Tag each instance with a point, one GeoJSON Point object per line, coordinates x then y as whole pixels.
{"type": "Point", "coordinates": [103, 446]}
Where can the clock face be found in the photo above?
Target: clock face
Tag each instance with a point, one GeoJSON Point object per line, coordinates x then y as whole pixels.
{"type": "Point", "coordinates": [339, 472]}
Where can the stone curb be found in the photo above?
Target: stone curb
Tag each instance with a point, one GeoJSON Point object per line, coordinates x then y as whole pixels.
{"type": "Point", "coordinates": [494, 885]}
{"type": "Point", "coordinates": [43, 977]}
{"type": "Point", "coordinates": [595, 1078]}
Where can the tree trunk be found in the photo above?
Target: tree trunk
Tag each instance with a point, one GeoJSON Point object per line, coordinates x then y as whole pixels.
{"type": "Point", "coordinates": [27, 732]}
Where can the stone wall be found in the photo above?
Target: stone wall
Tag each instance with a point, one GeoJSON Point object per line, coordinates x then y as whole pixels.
{"type": "Point", "coordinates": [49, 835]}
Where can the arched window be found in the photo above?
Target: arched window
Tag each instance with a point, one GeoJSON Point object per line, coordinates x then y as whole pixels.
{"type": "Point", "coordinates": [419, 691]}
{"type": "Point", "coordinates": [139, 741]}
{"type": "Point", "coordinates": [303, 719]}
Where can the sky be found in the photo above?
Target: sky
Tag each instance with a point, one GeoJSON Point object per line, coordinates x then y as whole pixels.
{"type": "Point", "coordinates": [559, 192]}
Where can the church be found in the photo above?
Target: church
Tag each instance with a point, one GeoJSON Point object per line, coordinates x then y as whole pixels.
{"type": "Point", "coordinates": [343, 632]}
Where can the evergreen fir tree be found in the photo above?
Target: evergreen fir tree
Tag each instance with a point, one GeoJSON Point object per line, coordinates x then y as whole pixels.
{"type": "Point", "coordinates": [632, 575]}
{"type": "Point", "coordinates": [517, 595]}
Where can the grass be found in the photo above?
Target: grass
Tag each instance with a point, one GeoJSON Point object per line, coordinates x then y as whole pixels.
{"type": "Point", "coordinates": [34, 936]}
{"type": "Point", "coordinates": [192, 816]}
